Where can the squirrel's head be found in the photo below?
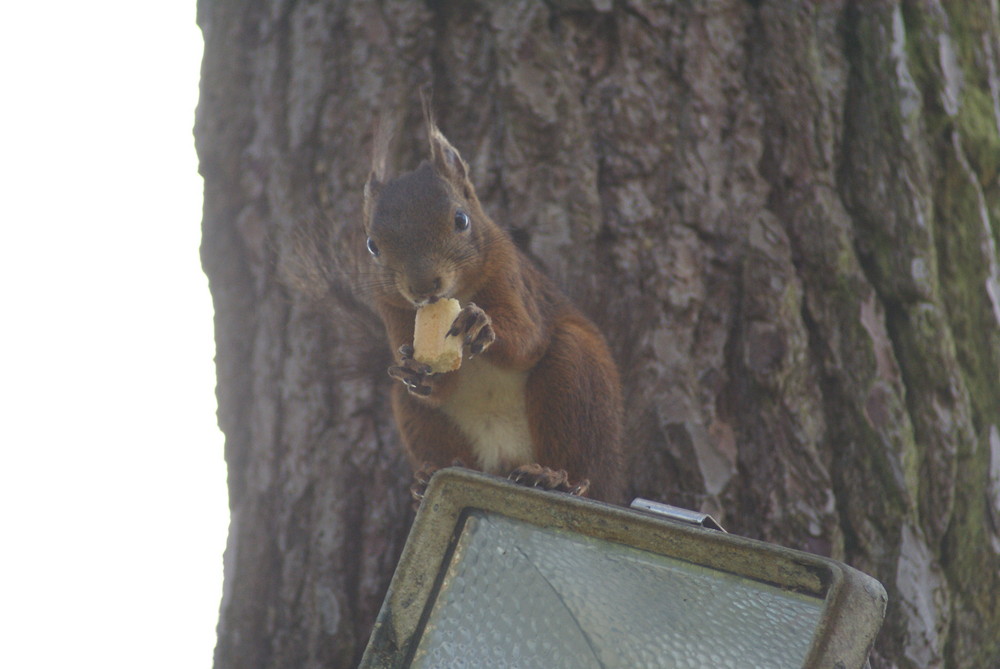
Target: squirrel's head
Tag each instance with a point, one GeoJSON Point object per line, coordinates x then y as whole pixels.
{"type": "Point", "coordinates": [426, 229]}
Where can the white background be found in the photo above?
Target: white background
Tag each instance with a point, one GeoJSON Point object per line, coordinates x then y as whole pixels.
{"type": "Point", "coordinates": [113, 509]}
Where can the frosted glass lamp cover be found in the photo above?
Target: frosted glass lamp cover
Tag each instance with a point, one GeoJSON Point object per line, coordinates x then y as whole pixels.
{"type": "Point", "coordinates": [498, 575]}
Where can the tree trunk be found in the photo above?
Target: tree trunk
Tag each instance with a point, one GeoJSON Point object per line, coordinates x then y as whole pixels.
{"type": "Point", "coordinates": [783, 214]}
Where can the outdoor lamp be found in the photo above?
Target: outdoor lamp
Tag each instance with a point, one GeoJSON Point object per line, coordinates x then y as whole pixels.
{"type": "Point", "coordinates": [495, 574]}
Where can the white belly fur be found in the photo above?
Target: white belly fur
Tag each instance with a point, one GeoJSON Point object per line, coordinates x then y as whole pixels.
{"type": "Point", "coordinates": [489, 407]}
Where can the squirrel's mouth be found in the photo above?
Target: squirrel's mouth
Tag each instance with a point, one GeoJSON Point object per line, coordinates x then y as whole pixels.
{"type": "Point", "coordinates": [425, 301]}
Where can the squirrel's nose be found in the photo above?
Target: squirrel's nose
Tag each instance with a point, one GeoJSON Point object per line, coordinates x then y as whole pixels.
{"type": "Point", "coordinates": [425, 289]}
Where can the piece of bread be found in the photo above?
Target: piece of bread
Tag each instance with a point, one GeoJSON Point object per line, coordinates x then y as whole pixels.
{"type": "Point", "coordinates": [431, 345]}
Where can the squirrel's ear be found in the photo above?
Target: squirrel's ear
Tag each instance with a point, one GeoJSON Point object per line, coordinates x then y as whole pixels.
{"type": "Point", "coordinates": [444, 157]}
{"type": "Point", "coordinates": [372, 188]}
{"type": "Point", "coordinates": [382, 137]}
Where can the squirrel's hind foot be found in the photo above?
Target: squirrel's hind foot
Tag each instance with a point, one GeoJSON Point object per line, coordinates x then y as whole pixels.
{"type": "Point", "coordinates": [422, 477]}
{"type": "Point", "coordinates": [539, 476]}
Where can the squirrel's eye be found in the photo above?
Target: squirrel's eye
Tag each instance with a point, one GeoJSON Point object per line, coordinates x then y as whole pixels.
{"type": "Point", "coordinates": [461, 221]}
{"type": "Point", "coordinates": [373, 247]}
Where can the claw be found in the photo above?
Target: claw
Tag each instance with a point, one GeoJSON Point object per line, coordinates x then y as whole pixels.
{"type": "Point", "coordinates": [413, 375]}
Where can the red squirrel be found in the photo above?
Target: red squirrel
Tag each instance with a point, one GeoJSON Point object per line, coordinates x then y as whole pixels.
{"type": "Point", "coordinates": [537, 397]}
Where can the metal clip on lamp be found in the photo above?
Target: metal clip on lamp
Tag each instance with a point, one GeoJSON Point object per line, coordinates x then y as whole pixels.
{"type": "Point", "coordinates": [498, 575]}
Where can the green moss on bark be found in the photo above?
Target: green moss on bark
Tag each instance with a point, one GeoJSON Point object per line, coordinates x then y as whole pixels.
{"type": "Point", "coordinates": [965, 144]}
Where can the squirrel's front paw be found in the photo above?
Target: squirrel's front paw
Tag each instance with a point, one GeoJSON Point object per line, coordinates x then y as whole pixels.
{"type": "Point", "coordinates": [412, 374]}
{"type": "Point", "coordinates": [538, 476]}
{"type": "Point", "coordinates": [475, 327]}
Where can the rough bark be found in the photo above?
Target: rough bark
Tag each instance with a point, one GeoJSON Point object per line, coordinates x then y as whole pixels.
{"type": "Point", "coordinates": [784, 215]}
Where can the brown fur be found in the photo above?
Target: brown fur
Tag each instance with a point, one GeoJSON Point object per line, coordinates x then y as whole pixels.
{"type": "Point", "coordinates": [571, 387]}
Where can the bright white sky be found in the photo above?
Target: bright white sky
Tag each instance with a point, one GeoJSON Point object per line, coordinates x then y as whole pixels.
{"type": "Point", "coordinates": [113, 510]}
